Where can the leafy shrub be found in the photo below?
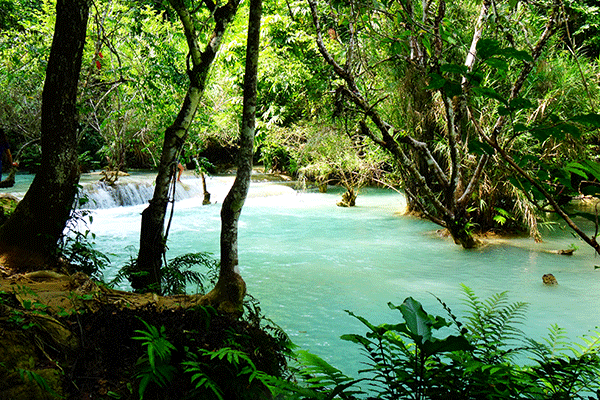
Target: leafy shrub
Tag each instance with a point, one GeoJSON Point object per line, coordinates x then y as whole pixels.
{"type": "Point", "coordinates": [406, 360]}
{"type": "Point", "coordinates": [177, 273]}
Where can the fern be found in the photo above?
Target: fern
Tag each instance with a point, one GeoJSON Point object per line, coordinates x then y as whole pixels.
{"type": "Point", "coordinates": [177, 273]}
{"type": "Point", "coordinates": [566, 369]}
{"type": "Point", "coordinates": [241, 365]}
{"type": "Point", "coordinates": [201, 379]}
{"type": "Point", "coordinates": [491, 325]}
{"type": "Point", "coordinates": [323, 380]}
{"type": "Point", "coordinates": [26, 374]}
{"type": "Point", "coordinates": [155, 366]}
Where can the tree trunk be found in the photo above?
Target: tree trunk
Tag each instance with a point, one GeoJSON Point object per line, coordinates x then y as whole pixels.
{"type": "Point", "coordinates": [28, 240]}
{"type": "Point", "coordinates": [147, 271]}
{"type": "Point", "coordinates": [229, 292]}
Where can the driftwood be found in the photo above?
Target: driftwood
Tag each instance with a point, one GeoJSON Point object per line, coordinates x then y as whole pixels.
{"type": "Point", "coordinates": [565, 252]}
{"type": "Point", "coordinates": [110, 176]}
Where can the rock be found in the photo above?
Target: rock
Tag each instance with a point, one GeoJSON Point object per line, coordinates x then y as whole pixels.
{"type": "Point", "coordinates": [26, 372]}
{"type": "Point", "coordinates": [549, 280]}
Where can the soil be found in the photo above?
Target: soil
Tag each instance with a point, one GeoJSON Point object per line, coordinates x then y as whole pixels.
{"type": "Point", "coordinates": [79, 338]}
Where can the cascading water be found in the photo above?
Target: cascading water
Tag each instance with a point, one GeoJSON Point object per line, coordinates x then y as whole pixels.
{"type": "Point", "coordinates": [308, 260]}
{"type": "Point", "coordinates": [131, 191]}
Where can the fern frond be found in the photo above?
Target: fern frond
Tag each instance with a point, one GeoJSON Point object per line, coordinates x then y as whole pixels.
{"type": "Point", "coordinates": [321, 373]}
{"type": "Point", "coordinates": [591, 345]}
{"type": "Point", "coordinates": [556, 340]}
{"type": "Point", "coordinates": [327, 381]}
{"type": "Point", "coordinates": [491, 324]}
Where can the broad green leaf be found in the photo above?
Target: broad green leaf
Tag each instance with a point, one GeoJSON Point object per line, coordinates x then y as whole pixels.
{"type": "Point", "coordinates": [520, 103]}
{"type": "Point", "coordinates": [592, 120]}
{"type": "Point", "coordinates": [477, 147]}
{"type": "Point", "coordinates": [515, 54]}
{"type": "Point", "coordinates": [436, 82]}
{"type": "Point", "coordinates": [542, 133]}
{"type": "Point", "coordinates": [504, 110]}
{"type": "Point", "coordinates": [417, 320]}
{"type": "Point", "coordinates": [487, 48]}
{"type": "Point", "coordinates": [489, 93]}
{"type": "Point", "coordinates": [543, 175]}
{"type": "Point", "coordinates": [592, 167]}
{"type": "Point", "coordinates": [518, 127]}
{"type": "Point", "coordinates": [451, 343]}
{"type": "Point", "coordinates": [377, 329]}
{"type": "Point", "coordinates": [497, 63]}
{"type": "Point", "coordinates": [454, 69]}
{"type": "Point", "coordinates": [576, 171]}
{"type": "Point", "coordinates": [452, 89]}
{"type": "Point", "coordinates": [475, 78]}
{"type": "Point", "coordinates": [358, 339]}
{"type": "Point", "coordinates": [570, 129]}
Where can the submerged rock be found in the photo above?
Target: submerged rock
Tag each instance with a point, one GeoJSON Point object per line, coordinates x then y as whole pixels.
{"type": "Point", "coordinates": [549, 280]}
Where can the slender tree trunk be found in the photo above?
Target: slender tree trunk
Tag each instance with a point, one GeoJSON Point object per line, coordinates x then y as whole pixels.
{"type": "Point", "coordinates": [147, 271]}
{"type": "Point", "coordinates": [229, 292]}
{"type": "Point", "coordinates": [28, 240]}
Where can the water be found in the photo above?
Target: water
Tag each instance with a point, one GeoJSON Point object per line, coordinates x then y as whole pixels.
{"type": "Point", "coordinates": [308, 260]}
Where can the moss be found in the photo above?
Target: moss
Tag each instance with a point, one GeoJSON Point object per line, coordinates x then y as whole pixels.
{"type": "Point", "coordinates": [20, 351]}
{"type": "Point", "coordinates": [94, 346]}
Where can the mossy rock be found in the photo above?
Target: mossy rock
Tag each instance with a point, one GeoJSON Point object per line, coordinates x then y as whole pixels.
{"type": "Point", "coordinates": [25, 372]}
{"type": "Point", "coordinates": [8, 203]}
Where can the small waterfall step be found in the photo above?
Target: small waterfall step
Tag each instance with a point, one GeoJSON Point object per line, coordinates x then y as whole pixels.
{"type": "Point", "coordinates": [132, 192]}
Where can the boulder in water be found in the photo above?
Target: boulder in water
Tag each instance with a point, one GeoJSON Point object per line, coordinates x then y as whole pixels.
{"type": "Point", "coordinates": [549, 280]}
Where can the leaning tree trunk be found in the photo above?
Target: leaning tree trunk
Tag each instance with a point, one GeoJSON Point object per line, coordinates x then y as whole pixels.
{"type": "Point", "coordinates": [28, 240]}
{"type": "Point", "coordinates": [229, 292]}
{"type": "Point", "coordinates": [147, 271]}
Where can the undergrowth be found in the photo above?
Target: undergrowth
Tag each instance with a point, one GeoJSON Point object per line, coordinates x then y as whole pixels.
{"type": "Point", "coordinates": [419, 356]}
{"type": "Point", "coordinates": [422, 356]}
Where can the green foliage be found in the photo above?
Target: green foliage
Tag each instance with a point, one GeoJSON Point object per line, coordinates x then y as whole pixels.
{"type": "Point", "coordinates": [492, 325]}
{"type": "Point", "coordinates": [188, 358]}
{"type": "Point", "coordinates": [565, 369]}
{"type": "Point", "coordinates": [322, 380]}
{"type": "Point", "coordinates": [76, 246]}
{"type": "Point", "coordinates": [27, 375]}
{"type": "Point", "coordinates": [155, 367]}
{"type": "Point", "coordinates": [178, 273]}
{"type": "Point", "coordinates": [407, 361]}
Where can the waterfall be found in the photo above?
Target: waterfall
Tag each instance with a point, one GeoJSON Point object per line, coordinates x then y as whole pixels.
{"type": "Point", "coordinates": [131, 192]}
{"type": "Point", "coordinates": [136, 190]}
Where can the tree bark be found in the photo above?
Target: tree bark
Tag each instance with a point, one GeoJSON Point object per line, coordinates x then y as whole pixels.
{"type": "Point", "coordinates": [147, 271]}
{"type": "Point", "coordinates": [28, 240]}
{"type": "Point", "coordinates": [229, 292]}
{"type": "Point", "coordinates": [424, 177]}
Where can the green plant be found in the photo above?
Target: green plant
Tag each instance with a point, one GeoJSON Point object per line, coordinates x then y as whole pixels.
{"type": "Point", "coordinates": [155, 366]}
{"type": "Point", "coordinates": [27, 375]}
{"type": "Point", "coordinates": [491, 325]}
{"type": "Point", "coordinates": [322, 380]}
{"type": "Point", "coordinates": [406, 360]}
{"type": "Point", "coordinates": [566, 370]}
{"type": "Point", "coordinates": [401, 354]}
{"type": "Point", "coordinates": [202, 367]}
{"type": "Point", "coordinates": [177, 273]}
{"type": "Point", "coordinates": [76, 245]}
{"type": "Point", "coordinates": [31, 306]}
{"type": "Point", "coordinates": [31, 376]}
